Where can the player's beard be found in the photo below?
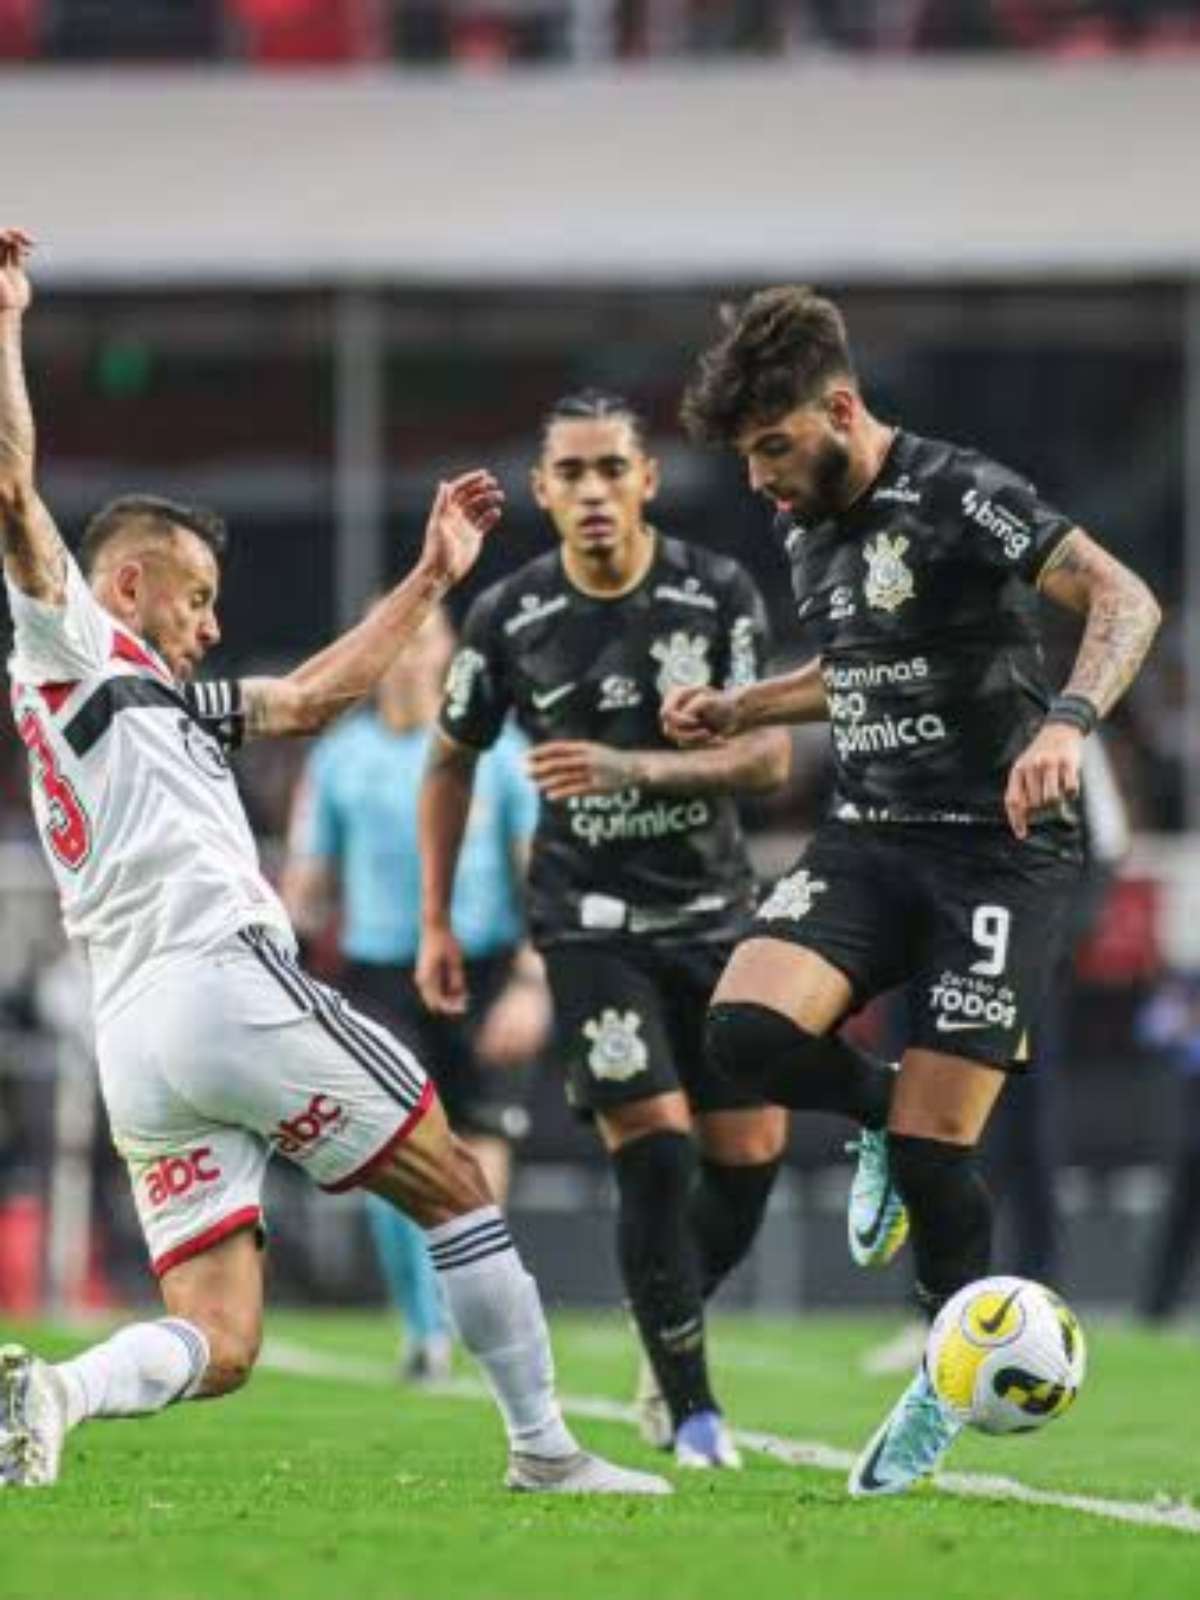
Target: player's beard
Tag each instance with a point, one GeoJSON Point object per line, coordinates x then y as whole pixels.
{"type": "Point", "coordinates": [827, 496]}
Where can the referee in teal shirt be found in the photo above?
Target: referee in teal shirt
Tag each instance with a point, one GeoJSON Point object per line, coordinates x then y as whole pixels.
{"type": "Point", "coordinates": [353, 844]}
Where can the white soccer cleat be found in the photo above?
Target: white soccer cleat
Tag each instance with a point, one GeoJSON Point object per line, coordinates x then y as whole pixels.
{"type": "Point", "coordinates": [911, 1442]}
{"type": "Point", "coordinates": [877, 1222]}
{"type": "Point", "coordinates": [651, 1411]}
{"type": "Point", "coordinates": [704, 1441]}
{"type": "Point", "coordinates": [581, 1473]}
{"type": "Point", "coordinates": [33, 1419]}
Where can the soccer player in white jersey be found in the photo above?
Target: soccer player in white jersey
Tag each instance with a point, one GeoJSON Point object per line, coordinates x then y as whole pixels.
{"type": "Point", "coordinates": [215, 1048]}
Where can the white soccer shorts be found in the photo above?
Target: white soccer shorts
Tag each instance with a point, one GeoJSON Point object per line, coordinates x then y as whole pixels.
{"type": "Point", "coordinates": [223, 1064]}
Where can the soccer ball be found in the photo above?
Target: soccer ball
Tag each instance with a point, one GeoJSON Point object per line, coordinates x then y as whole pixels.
{"type": "Point", "coordinates": [1006, 1355]}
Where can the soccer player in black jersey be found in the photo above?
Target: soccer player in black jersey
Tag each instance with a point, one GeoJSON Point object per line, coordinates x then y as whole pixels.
{"type": "Point", "coordinates": [952, 847]}
{"type": "Point", "coordinates": [639, 882]}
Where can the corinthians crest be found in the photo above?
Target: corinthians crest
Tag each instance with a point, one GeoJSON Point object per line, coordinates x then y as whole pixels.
{"type": "Point", "coordinates": [792, 897]}
{"type": "Point", "coordinates": [683, 662]}
{"type": "Point", "coordinates": [618, 1052]}
{"type": "Point", "coordinates": [889, 583]}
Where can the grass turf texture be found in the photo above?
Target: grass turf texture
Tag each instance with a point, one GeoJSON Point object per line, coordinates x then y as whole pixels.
{"type": "Point", "coordinates": [311, 1487]}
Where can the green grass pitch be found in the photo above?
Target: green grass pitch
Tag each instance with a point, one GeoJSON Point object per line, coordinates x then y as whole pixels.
{"type": "Point", "coordinates": [350, 1488]}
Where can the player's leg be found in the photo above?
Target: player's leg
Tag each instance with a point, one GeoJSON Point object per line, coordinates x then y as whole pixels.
{"type": "Point", "coordinates": [434, 1178]}
{"type": "Point", "coordinates": [740, 1154]}
{"type": "Point", "coordinates": [995, 914]}
{"type": "Point", "coordinates": [612, 1016]}
{"type": "Point", "coordinates": [205, 1346]}
{"type": "Point", "coordinates": [769, 1028]}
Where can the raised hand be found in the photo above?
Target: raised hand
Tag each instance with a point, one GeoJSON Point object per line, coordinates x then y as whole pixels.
{"type": "Point", "coordinates": [15, 292]}
{"type": "Point", "coordinates": [464, 512]}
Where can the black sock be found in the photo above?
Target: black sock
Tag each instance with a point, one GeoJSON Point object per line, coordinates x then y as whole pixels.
{"type": "Point", "coordinates": [949, 1214]}
{"type": "Point", "coordinates": [761, 1049]}
{"type": "Point", "coordinates": [727, 1208]}
{"type": "Point", "coordinates": [660, 1264]}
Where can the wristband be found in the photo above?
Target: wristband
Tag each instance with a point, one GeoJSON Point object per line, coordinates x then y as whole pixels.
{"type": "Point", "coordinates": [1076, 710]}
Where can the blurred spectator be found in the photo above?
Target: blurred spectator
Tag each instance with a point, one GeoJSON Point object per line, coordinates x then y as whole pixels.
{"type": "Point", "coordinates": [279, 33]}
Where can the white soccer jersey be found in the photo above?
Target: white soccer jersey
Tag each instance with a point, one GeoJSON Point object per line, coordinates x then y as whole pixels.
{"type": "Point", "coordinates": [138, 810]}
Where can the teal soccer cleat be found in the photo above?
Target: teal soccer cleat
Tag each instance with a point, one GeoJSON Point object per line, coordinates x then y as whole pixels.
{"type": "Point", "coordinates": [915, 1436]}
{"type": "Point", "coordinates": [877, 1221]}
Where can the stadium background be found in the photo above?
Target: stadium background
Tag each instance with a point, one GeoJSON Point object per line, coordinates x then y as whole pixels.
{"type": "Point", "coordinates": [299, 258]}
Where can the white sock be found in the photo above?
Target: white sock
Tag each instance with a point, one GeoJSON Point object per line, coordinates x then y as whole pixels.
{"type": "Point", "coordinates": [498, 1312]}
{"type": "Point", "coordinates": [142, 1368]}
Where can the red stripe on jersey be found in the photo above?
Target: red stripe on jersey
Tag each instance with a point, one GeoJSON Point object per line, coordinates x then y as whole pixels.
{"type": "Point", "coordinates": [54, 694]}
{"type": "Point", "coordinates": [247, 1217]}
{"type": "Point", "coordinates": [362, 1172]}
{"type": "Point", "coordinates": [127, 649]}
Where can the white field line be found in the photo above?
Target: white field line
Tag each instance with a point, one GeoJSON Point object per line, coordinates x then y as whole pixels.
{"type": "Point", "coordinates": [283, 1356]}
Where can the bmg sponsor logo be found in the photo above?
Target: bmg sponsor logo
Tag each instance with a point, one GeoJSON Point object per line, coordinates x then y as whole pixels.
{"type": "Point", "coordinates": [173, 1177]}
{"type": "Point", "coordinates": [299, 1136]}
{"type": "Point", "coordinates": [1012, 533]}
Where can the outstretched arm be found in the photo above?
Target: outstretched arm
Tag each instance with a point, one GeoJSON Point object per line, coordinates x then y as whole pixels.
{"type": "Point", "coordinates": [33, 552]}
{"type": "Point", "coordinates": [749, 764]}
{"type": "Point", "coordinates": [1122, 617]}
{"type": "Point", "coordinates": [464, 511]}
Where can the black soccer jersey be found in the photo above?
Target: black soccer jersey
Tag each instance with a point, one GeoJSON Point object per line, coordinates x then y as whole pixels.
{"type": "Point", "coordinates": [920, 602]}
{"type": "Point", "coordinates": [573, 666]}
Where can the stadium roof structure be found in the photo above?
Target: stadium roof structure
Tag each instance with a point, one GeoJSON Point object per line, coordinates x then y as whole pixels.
{"type": "Point", "coordinates": [830, 169]}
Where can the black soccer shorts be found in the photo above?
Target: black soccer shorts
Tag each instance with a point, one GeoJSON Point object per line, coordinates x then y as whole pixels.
{"type": "Point", "coordinates": [480, 1100]}
{"type": "Point", "coordinates": [967, 919]}
{"type": "Point", "coordinates": [629, 1020]}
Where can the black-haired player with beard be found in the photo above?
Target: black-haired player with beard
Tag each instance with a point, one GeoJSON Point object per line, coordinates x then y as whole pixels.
{"type": "Point", "coordinates": [639, 881]}
{"type": "Point", "coordinates": [948, 861]}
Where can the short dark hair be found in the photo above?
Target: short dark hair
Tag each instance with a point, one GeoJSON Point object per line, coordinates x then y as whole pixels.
{"type": "Point", "coordinates": [157, 516]}
{"type": "Point", "coordinates": [777, 352]}
{"type": "Point", "coordinates": [595, 405]}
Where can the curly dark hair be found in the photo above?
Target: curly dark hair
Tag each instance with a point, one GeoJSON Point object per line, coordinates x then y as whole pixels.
{"type": "Point", "coordinates": [595, 405]}
{"type": "Point", "coordinates": [156, 516]}
{"type": "Point", "coordinates": [777, 352]}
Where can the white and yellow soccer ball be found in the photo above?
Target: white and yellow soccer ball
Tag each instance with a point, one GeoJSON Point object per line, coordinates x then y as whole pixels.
{"type": "Point", "coordinates": [1006, 1355]}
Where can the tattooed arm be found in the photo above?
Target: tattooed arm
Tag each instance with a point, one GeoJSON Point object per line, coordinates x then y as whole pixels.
{"type": "Point", "coordinates": [464, 511]}
{"type": "Point", "coordinates": [33, 551]}
{"type": "Point", "coordinates": [1122, 617]}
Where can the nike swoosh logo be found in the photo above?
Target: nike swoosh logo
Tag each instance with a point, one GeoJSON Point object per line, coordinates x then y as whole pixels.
{"type": "Point", "coordinates": [994, 1324]}
{"type": "Point", "coordinates": [948, 1025]}
{"type": "Point", "coordinates": [867, 1476]}
{"type": "Point", "coordinates": [543, 699]}
{"type": "Point", "coordinates": [867, 1236]}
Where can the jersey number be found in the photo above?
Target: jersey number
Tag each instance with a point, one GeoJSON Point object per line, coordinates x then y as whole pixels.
{"type": "Point", "coordinates": [990, 929]}
{"type": "Point", "coordinates": [66, 824]}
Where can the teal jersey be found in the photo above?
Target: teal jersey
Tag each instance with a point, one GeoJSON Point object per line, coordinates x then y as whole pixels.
{"type": "Point", "coordinates": [358, 811]}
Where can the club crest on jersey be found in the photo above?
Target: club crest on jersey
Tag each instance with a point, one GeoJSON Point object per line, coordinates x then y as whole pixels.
{"type": "Point", "coordinates": [618, 1052]}
{"type": "Point", "coordinates": [889, 583]}
{"type": "Point", "coordinates": [792, 897]}
{"type": "Point", "coordinates": [682, 662]}
{"type": "Point", "coordinates": [204, 751]}
{"type": "Point", "coordinates": [460, 682]}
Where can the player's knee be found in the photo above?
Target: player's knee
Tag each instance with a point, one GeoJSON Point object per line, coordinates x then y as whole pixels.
{"type": "Point", "coordinates": [757, 1047]}
{"type": "Point", "coordinates": [232, 1353]}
